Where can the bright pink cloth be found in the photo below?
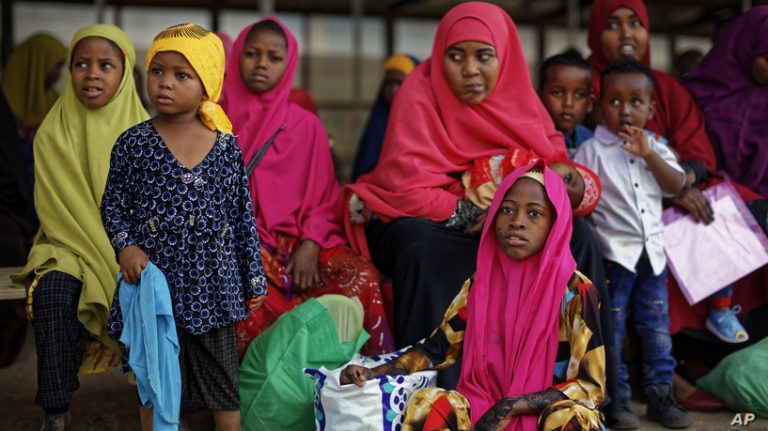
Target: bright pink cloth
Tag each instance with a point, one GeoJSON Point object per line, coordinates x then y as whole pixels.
{"type": "Point", "coordinates": [226, 41]}
{"type": "Point", "coordinates": [432, 137]}
{"type": "Point", "coordinates": [510, 343]}
{"type": "Point", "coordinates": [294, 189]}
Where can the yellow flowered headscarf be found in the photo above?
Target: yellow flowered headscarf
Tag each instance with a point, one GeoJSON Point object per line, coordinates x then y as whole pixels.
{"type": "Point", "coordinates": [205, 52]}
{"type": "Point", "coordinates": [23, 79]}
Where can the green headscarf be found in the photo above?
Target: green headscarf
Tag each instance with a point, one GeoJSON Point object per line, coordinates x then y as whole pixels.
{"type": "Point", "coordinates": [23, 80]}
{"type": "Point", "coordinates": [72, 150]}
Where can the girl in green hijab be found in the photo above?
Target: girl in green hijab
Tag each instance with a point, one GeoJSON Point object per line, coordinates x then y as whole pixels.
{"type": "Point", "coordinates": [72, 267]}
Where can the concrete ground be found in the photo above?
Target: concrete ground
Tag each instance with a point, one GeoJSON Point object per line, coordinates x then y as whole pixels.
{"type": "Point", "coordinates": [106, 402]}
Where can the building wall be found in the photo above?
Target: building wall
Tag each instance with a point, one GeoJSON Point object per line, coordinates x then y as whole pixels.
{"type": "Point", "coordinates": [326, 47]}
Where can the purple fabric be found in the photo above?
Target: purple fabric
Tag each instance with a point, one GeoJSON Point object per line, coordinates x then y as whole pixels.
{"type": "Point", "coordinates": [735, 107]}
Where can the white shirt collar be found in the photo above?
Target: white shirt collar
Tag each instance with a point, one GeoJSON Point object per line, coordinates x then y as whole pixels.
{"type": "Point", "coordinates": [605, 136]}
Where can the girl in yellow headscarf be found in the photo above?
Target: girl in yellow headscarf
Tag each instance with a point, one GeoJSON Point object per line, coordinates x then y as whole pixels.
{"type": "Point", "coordinates": [177, 195]}
{"type": "Point", "coordinates": [72, 265]}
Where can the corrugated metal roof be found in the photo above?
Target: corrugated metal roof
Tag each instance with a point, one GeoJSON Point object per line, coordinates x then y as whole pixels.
{"type": "Point", "coordinates": [695, 17]}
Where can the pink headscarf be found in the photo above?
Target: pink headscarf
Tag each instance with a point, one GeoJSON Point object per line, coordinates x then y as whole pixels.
{"type": "Point", "coordinates": [432, 137]}
{"type": "Point", "coordinates": [226, 41]}
{"type": "Point", "coordinates": [294, 189]}
{"type": "Point", "coordinates": [510, 343]}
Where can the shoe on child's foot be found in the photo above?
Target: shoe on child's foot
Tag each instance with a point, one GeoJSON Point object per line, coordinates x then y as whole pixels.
{"type": "Point", "coordinates": [663, 408]}
{"type": "Point", "coordinates": [57, 422]}
{"type": "Point", "coordinates": [726, 326]}
{"type": "Point", "coordinates": [621, 416]}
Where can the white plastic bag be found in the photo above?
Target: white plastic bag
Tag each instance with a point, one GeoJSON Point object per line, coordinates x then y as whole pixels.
{"type": "Point", "coordinates": [377, 406]}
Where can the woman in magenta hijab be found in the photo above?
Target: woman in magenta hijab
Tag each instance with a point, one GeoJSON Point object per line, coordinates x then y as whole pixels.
{"type": "Point", "coordinates": [293, 187]}
{"type": "Point", "coordinates": [471, 99]}
{"type": "Point", "coordinates": [526, 325]}
{"type": "Point", "coordinates": [731, 88]}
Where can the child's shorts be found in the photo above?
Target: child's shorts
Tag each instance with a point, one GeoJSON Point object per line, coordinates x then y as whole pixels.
{"type": "Point", "coordinates": [209, 377]}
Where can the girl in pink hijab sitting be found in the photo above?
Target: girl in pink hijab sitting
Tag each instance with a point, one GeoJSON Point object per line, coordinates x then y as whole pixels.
{"type": "Point", "coordinates": [526, 325]}
{"type": "Point", "coordinates": [293, 187]}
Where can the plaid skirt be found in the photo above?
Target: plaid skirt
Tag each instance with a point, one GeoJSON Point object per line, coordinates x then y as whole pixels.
{"type": "Point", "coordinates": [209, 370]}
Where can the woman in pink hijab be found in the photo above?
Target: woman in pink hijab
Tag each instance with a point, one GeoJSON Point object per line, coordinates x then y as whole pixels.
{"type": "Point", "coordinates": [293, 187]}
{"type": "Point", "coordinates": [471, 99]}
{"type": "Point", "coordinates": [526, 325]}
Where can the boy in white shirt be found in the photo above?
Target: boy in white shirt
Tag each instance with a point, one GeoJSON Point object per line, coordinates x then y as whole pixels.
{"type": "Point", "coordinates": [636, 170]}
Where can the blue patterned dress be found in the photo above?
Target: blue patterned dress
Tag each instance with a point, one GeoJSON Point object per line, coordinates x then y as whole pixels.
{"type": "Point", "coordinates": [196, 225]}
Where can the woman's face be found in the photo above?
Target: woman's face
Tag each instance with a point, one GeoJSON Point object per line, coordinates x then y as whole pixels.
{"type": "Point", "coordinates": [624, 36]}
{"type": "Point", "coordinates": [471, 69]}
{"type": "Point", "coordinates": [760, 69]}
{"type": "Point", "coordinates": [263, 60]}
{"type": "Point", "coordinates": [524, 219]}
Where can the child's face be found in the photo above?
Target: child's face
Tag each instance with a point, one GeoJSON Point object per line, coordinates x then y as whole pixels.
{"type": "Point", "coordinates": [97, 69]}
{"type": "Point", "coordinates": [393, 78]}
{"type": "Point", "coordinates": [624, 36]}
{"type": "Point", "coordinates": [574, 183]}
{"type": "Point", "coordinates": [524, 219]}
{"type": "Point", "coordinates": [760, 69]}
{"type": "Point", "coordinates": [565, 94]}
{"type": "Point", "coordinates": [263, 61]}
{"type": "Point", "coordinates": [626, 100]}
{"type": "Point", "coordinates": [172, 84]}
{"type": "Point", "coordinates": [471, 69]}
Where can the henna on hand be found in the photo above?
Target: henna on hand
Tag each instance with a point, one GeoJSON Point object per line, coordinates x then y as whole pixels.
{"type": "Point", "coordinates": [501, 413]}
{"type": "Point", "coordinates": [498, 416]}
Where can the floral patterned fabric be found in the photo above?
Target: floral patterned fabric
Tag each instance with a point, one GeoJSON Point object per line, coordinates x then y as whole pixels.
{"type": "Point", "coordinates": [342, 272]}
{"type": "Point", "coordinates": [196, 225]}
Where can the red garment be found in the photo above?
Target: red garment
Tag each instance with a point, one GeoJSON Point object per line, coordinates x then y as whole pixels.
{"type": "Point", "coordinates": [294, 188]}
{"type": "Point", "coordinates": [432, 137]}
{"type": "Point", "coordinates": [441, 416]}
{"type": "Point", "coordinates": [677, 117]}
{"type": "Point", "coordinates": [511, 338]}
{"type": "Point", "coordinates": [302, 98]}
{"type": "Point", "coordinates": [342, 272]}
{"type": "Point", "coordinates": [750, 292]}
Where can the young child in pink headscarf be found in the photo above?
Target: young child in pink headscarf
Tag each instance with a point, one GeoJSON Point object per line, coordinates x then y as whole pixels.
{"type": "Point", "coordinates": [294, 190]}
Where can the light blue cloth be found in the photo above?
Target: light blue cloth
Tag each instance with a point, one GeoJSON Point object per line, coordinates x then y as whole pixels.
{"type": "Point", "coordinates": [149, 335]}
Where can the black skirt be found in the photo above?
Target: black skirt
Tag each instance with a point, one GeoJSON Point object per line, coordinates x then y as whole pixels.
{"type": "Point", "coordinates": [428, 264]}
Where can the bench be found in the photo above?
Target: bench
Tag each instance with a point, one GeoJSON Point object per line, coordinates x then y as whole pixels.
{"type": "Point", "coordinates": [7, 291]}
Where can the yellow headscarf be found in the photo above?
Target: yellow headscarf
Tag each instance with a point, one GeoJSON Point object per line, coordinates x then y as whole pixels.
{"type": "Point", "coordinates": [399, 62]}
{"type": "Point", "coordinates": [72, 150]}
{"type": "Point", "coordinates": [23, 79]}
{"type": "Point", "coordinates": [205, 52]}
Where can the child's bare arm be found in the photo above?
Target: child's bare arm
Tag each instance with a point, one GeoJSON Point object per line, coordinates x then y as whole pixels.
{"type": "Point", "coordinates": [670, 180]}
